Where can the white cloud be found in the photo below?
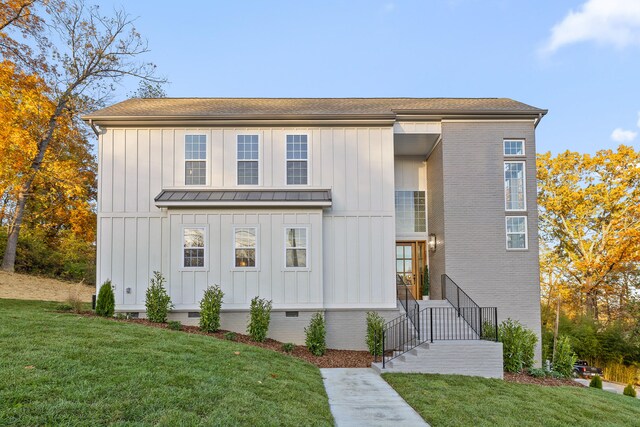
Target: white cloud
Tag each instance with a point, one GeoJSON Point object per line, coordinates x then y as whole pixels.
{"type": "Point", "coordinates": [621, 135]}
{"type": "Point", "coordinates": [606, 22]}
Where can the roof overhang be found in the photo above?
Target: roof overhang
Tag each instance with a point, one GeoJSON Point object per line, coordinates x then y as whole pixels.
{"type": "Point", "coordinates": [235, 198]}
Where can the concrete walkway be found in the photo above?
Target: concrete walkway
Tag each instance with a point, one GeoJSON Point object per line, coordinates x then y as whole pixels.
{"type": "Point", "coordinates": [607, 386]}
{"type": "Point", "coordinates": [360, 397]}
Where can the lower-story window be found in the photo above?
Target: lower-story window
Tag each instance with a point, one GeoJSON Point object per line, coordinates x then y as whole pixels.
{"type": "Point", "coordinates": [245, 246]}
{"type": "Point", "coordinates": [193, 247]}
{"type": "Point", "coordinates": [296, 247]}
{"type": "Point", "coordinates": [516, 232]}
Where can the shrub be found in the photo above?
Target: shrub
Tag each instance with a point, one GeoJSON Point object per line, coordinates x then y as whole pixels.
{"type": "Point", "coordinates": [316, 335]}
{"type": "Point", "coordinates": [64, 307]}
{"type": "Point", "coordinates": [596, 382]}
{"type": "Point", "coordinates": [488, 331]}
{"type": "Point", "coordinates": [106, 302]}
{"type": "Point", "coordinates": [426, 283]}
{"type": "Point", "coordinates": [537, 372]}
{"type": "Point", "coordinates": [122, 316]}
{"type": "Point", "coordinates": [230, 336]}
{"type": "Point", "coordinates": [375, 326]}
{"type": "Point", "coordinates": [288, 347]}
{"type": "Point", "coordinates": [629, 390]}
{"type": "Point", "coordinates": [260, 316]}
{"type": "Point", "coordinates": [518, 344]}
{"type": "Point", "coordinates": [157, 302]}
{"type": "Point", "coordinates": [210, 309]}
{"type": "Point", "coordinates": [174, 325]}
{"type": "Point", "coordinates": [564, 358]}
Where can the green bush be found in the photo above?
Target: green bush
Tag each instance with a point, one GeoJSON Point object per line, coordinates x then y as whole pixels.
{"type": "Point", "coordinates": [375, 326]}
{"type": "Point", "coordinates": [565, 358]}
{"type": "Point", "coordinates": [64, 307]}
{"type": "Point", "coordinates": [210, 309]}
{"type": "Point", "coordinates": [596, 382]}
{"type": "Point", "coordinates": [174, 325]}
{"type": "Point", "coordinates": [260, 316]}
{"type": "Point", "coordinates": [230, 336]}
{"type": "Point", "coordinates": [488, 331]}
{"type": "Point", "coordinates": [518, 345]}
{"type": "Point", "coordinates": [537, 372]}
{"type": "Point", "coordinates": [426, 282]}
{"type": "Point", "coordinates": [629, 390]}
{"type": "Point", "coordinates": [316, 335]}
{"type": "Point", "coordinates": [288, 347]}
{"type": "Point", "coordinates": [106, 302]}
{"type": "Point", "coordinates": [157, 302]}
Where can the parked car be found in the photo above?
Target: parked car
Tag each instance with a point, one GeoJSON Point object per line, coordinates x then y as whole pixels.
{"type": "Point", "coordinates": [582, 369]}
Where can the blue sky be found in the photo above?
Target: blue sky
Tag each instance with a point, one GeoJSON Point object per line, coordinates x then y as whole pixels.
{"type": "Point", "coordinates": [578, 58]}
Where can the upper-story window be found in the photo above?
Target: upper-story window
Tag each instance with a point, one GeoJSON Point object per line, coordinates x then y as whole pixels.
{"type": "Point", "coordinates": [513, 147]}
{"type": "Point", "coordinates": [195, 160]}
{"type": "Point", "coordinates": [297, 160]}
{"type": "Point", "coordinates": [411, 213]}
{"type": "Point", "coordinates": [248, 159]}
{"type": "Point", "coordinates": [514, 186]}
{"type": "Point", "coordinates": [516, 232]}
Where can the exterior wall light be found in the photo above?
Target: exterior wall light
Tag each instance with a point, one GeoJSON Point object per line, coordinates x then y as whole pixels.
{"type": "Point", "coordinates": [433, 243]}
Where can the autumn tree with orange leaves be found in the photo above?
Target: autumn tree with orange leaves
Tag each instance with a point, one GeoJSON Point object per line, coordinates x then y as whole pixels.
{"type": "Point", "coordinates": [590, 230]}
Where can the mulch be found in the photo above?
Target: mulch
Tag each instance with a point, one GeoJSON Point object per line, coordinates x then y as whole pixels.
{"type": "Point", "coordinates": [524, 378]}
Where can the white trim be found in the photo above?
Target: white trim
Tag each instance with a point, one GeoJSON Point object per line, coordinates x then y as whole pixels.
{"type": "Point", "coordinates": [206, 159]}
{"type": "Point", "coordinates": [226, 308]}
{"type": "Point", "coordinates": [234, 267]}
{"type": "Point", "coordinates": [507, 233]}
{"type": "Point", "coordinates": [286, 160]}
{"type": "Point", "coordinates": [524, 185]}
{"type": "Point", "coordinates": [267, 203]}
{"type": "Point", "coordinates": [205, 229]}
{"type": "Point", "coordinates": [524, 150]}
{"type": "Point", "coordinates": [307, 228]}
{"type": "Point", "coordinates": [259, 160]}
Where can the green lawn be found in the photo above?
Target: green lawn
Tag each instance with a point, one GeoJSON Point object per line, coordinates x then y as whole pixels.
{"type": "Point", "coordinates": [64, 369]}
{"type": "Point", "coordinates": [453, 400]}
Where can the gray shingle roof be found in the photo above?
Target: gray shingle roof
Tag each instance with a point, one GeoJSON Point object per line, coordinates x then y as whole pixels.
{"type": "Point", "coordinates": [238, 197]}
{"type": "Point", "coordinates": [239, 107]}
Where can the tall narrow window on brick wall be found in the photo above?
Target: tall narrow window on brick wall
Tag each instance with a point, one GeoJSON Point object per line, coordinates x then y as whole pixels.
{"type": "Point", "coordinates": [245, 246]}
{"type": "Point", "coordinates": [514, 186]}
{"type": "Point", "coordinates": [248, 159]}
{"type": "Point", "coordinates": [516, 232]}
{"type": "Point", "coordinates": [195, 160]}
{"type": "Point", "coordinates": [295, 243]}
{"type": "Point", "coordinates": [193, 244]}
{"type": "Point", "coordinates": [297, 160]}
{"type": "Point", "coordinates": [411, 212]}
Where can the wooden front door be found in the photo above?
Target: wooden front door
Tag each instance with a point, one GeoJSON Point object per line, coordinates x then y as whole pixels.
{"type": "Point", "coordinates": [410, 262]}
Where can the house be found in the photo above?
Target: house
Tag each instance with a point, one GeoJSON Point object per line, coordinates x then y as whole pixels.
{"type": "Point", "coordinates": [322, 204]}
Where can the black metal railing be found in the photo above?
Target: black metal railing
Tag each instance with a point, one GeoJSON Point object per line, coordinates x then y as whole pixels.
{"type": "Point", "coordinates": [483, 320]}
{"type": "Point", "coordinates": [408, 302]}
{"type": "Point", "coordinates": [465, 320]}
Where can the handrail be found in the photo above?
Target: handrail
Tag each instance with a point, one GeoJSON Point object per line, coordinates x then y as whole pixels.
{"type": "Point", "coordinates": [467, 308]}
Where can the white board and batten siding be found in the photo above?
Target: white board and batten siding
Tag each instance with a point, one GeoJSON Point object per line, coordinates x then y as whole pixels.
{"type": "Point", "coordinates": [351, 244]}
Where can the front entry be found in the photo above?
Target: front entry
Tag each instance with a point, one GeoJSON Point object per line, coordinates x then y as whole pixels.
{"type": "Point", "coordinates": [410, 262]}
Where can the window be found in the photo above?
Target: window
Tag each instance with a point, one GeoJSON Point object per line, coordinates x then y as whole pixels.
{"type": "Point", "coordinates": [193, 247]}
{"type": "Point", "coordinates": [296, 247]}
{"type": "Point", "coordinates": [195, 160]}
{"type": "Point", "coordinates": [247, 159]}
{"type": "Point", "coordinates": [410, 212]}
{"type": "Point", "coordinates": [297, 160]}
{"type": "Point", "coordinates": [514, 147]}
{"type": "Point", "coordinates": [245, 239]}
{"type": "Point", "coordinates": [514, 186]}
{"type": "Point", "coordinates": [516, 232]}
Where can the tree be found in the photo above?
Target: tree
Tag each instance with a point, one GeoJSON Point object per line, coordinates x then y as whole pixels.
{"type": "Point", "coordinates": [92, 51]}
{"type": "Point", "coordinates": [147, 89]}
{"type": "Point", "coordinates": [590, 220]}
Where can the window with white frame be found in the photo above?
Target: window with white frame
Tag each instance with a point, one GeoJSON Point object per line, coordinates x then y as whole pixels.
{"type": "Point", "coordinates": [247, 156]}
{"type": "Point", "coordinates": [411, 212]}
{"type": "Point", "coordinates": [193, 243]}
{"type": "Point", "coordinates": [245, 246]}
{"type": "Point", "coordinates": [514, 147]}
{"type": "Point", "coordinates": [514, 186]}
{"type": "Point", "coordinates": [195, 160]}
{"type": "Point", "coordinates": [297, 160]}
{"type": "Point", "coordinates": [296, 240]}
{"type": "Point", "coordinates": [516, 232]}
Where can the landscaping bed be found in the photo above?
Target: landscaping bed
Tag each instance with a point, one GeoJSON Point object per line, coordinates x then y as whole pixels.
{"type": "Point", "coordinates": [524, 378]}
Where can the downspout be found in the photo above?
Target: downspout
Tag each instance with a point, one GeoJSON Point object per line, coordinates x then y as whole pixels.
{"type": "Point", "coordinates": [536, 121]}
{"type": "Point", "coordinates": [94, 128]}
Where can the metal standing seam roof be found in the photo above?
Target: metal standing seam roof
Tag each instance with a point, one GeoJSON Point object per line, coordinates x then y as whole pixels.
{"type": "Point", "coordinates": [204, 197]}
{"type": "Point", "coordinates": [268, 107]}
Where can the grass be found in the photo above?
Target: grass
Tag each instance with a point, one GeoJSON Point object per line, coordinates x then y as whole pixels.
{"type": "Point", "coordinates": [453, 400]}
{"type": "Point", "coordinates": [65, 369]}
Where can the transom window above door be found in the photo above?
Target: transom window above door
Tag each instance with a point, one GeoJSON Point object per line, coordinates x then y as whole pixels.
{"type": "Point", "coordinates": [411, 212]}
{"type": "Point", "coordinates": [248, 155]}
{"type": "Point", "coordinates": [297, 160]}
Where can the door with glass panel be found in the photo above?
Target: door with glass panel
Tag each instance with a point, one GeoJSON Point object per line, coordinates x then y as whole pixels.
{"type": "Point", "coordinates": [410, 262]}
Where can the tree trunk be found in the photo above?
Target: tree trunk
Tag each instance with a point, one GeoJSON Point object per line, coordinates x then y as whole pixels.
{"type": "Point", "coordinates": [591, 302]}
{"type": "Point", "coordinates": [9, 259]}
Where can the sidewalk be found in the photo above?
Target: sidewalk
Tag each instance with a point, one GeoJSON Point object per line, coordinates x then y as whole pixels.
{"type": "Point", "coordinates": [607, 386]}
{"type": "Point", "coordinates": [360, 397]}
